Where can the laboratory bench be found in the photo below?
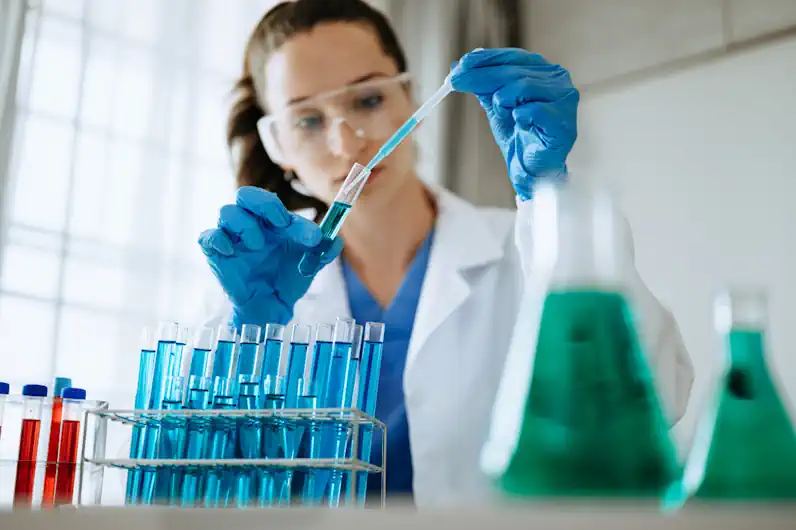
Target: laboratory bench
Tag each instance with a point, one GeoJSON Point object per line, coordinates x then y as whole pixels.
{"type": "Point", "coordinates": [547, 517]}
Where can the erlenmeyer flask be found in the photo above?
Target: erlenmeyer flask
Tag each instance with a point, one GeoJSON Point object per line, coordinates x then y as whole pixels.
{"type": "Point", "coordinates": [745, 444]}
{"type": "Point", "coordinates": [577, 412]}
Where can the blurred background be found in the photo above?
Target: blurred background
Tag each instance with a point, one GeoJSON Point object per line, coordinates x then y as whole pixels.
{"type": "Point", "coordinates": [113, 159]}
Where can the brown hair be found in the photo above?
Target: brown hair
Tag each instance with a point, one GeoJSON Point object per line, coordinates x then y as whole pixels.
{"type": "Point", "coordinates": [253, 165]}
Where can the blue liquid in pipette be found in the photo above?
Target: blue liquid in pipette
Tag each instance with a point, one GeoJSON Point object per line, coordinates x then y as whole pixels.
{"type": "Point", "coordinates": [145, 366]}
{"type": "Point", "coordinates": [397, 137]}
{"type": "Point", "coordinates": [369, 371]}
{"type": "Point", "coordinates": [273, 351]}
{"type": "Point", "coordinates": [198, 361]}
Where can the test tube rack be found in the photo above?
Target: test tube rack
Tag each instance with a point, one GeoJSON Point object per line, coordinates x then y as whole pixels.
{"type": "Point", "coordinates": [354, 420]}
{"type": "Point", "coordinates": [92, 441]}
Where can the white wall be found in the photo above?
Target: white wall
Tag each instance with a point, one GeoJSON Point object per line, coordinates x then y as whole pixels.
{"type": "Point", "coordinates": [704, 161]}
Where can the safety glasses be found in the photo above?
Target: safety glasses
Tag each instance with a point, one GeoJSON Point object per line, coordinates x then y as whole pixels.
{"type": "Point", "coordinates": [304, 130]}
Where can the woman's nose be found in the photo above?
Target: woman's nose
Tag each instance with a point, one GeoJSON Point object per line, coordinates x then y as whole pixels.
{"type": "Point", "coordinates": [345, 140]}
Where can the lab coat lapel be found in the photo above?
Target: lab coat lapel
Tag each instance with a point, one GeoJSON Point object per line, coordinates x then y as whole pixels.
{"type": "Point", "coordinates": [462, 240]}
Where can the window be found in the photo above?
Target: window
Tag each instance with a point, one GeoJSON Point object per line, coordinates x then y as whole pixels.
{"type": "Point", "coordinates": [118, 163]}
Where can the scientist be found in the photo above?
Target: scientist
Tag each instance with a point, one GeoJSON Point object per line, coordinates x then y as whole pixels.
{"type": "Point", "coordinates": [324, 85]}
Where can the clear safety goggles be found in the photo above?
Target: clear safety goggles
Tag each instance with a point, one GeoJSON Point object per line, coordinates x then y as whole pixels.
{"type": "Point", "coordinates": [308, 128]}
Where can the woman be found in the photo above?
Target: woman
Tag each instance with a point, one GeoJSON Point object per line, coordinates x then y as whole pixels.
{"type": "Point", "coordinates": [325, 83]}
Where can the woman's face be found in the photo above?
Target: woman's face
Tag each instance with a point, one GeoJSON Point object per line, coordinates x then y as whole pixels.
{"type": "Point", "coordinates": [324, 130]}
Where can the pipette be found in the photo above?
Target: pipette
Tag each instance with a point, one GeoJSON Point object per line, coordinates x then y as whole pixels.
{"type": "Point", "coordinates": [359, 174]}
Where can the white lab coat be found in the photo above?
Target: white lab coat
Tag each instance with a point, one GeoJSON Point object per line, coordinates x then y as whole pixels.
{"type": "Point", "coordinates": [463, 327]}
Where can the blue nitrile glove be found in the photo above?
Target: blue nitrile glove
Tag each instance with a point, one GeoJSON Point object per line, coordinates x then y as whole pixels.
{"type": "Point", "coordinates": [254, 253]}
{"type": "Point", "coordinates": [532, 109]}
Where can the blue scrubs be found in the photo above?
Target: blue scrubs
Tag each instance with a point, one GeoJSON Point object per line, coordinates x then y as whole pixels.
{"type": "Point", "coordinates": [398, 321]}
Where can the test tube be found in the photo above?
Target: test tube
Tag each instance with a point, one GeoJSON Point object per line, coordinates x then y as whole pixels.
{"type": "Point", "coordinates": [223, 359]}
{"type": "Point", "coordinates": [179, 351]}
{"type": "Point", "coordinates": [5, 388]}
{"type": "Point", "coordinates": [172, 444]}
{"type": "Point", "coordinates": [198, 434]}
{"type": "Point", "coordinates": [204, 342]}
{"type": "Point", "coordinates": [296, 363]}
{"type": "Point", "coordinates": [322, 356]}
{"type": "Point", "coordinates": [369, 371]}
{"type": "Point", "coordinates": [273, 444]}
{"type": "Point", "coordinates": [335, 392]}
{"type": "Point", "coordinates": [222, 442]}
{"type": "Point", "coordinates": [250, 428]}
{"type": "Point", "coordinates": [48, 497]}
{"type": "Point", "coordinates": [146, 364]}
{"type": "Point", "coordinates": [346, 394]}
{"type": "Point", "coordinates": [165, 361]}
{"type": "Point", "coordinates": [274, 336]}
{"type": "Point", "coordinates": [33, 396]}
{"type": "Point", "coordinates": [248, 360]}
{"type": "Point", "coordinates": [308, 496]}
{"type": "Point", "coordinates": [72, 412]}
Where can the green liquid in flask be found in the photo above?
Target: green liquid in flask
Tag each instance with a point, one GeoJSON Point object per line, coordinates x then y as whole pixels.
{"type": "Point", "coordinates": [745, 448]}
{"type": "Point", "coordinates": [592, 423]}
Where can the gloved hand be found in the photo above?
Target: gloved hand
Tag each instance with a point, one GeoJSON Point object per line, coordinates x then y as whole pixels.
{"type": "Point", "coordinates": [254, 253]}
{"type": "Point", "coordinates": [532, 109]}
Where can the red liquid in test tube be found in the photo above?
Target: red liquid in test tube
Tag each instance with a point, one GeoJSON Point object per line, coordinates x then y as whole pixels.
{"type": "Point", "coordinates": [67, 450]}
{"type": "Point", "coordinates": [52, 449]}
{"type": "Point", "coordinates": [29, 443]}
{"type": "Point", "coordinates": [26, 463]}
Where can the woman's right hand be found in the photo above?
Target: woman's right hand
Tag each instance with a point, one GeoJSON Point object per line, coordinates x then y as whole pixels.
{"type": "Point", "coordinates": [254, 252]}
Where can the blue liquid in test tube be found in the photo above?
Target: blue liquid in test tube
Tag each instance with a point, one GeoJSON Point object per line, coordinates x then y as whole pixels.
{"type": "Point", "coordinates": [296, 365]}
{"type": "Point", "coordinates": [322, 356]}
{"type": "Point", "coordinates": [274, 337]}
{"type": "Point", "coordinates": [273, 441]}
{"type": "Point", "coordinates": [164, 365]}
{"type": "Point", "coordinates": [145, 367]}
{"type": "Point", "coordinates": [224, 357]}
{"type": "Point", "coordinates": [335, 394]}
{"type": "Point", "coordinates": [369, 370]}
{"type": "Point", "coordinates": [222, 443]}
{"type": "Point", "coordinates": [249, 428]}
{"type": "Point", "coordinates": [172, 446]}
{"type": "Point", "coordinates": [344, 396]}
{"type": "Point", "coordinates": [198, 436]}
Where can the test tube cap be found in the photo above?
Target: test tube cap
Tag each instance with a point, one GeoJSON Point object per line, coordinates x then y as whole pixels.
{"type": "Point", "coordinates": [5, 388]}
{"type": "Point", "coordinates": [34, 390]}
{"type": "Point", "coordinates": [73, 393]}
{"type": "Point", "coordinates": [60, 384]}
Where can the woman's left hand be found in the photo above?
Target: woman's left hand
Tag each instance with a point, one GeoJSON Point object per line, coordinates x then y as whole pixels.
{"type": "Point", "coordinates": [532, 109]}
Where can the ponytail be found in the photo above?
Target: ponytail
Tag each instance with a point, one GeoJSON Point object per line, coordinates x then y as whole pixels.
{"type": "Point", "coordinates": [253, 166]}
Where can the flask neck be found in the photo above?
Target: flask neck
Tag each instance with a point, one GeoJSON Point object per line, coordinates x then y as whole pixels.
{"type": "Point", "coordinates": [741, 321]}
